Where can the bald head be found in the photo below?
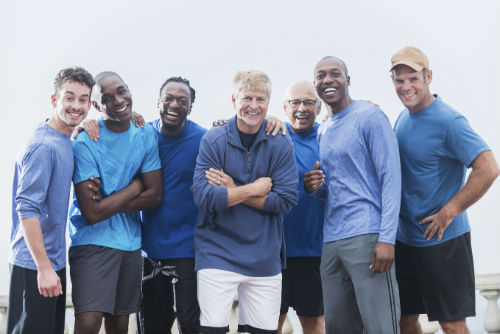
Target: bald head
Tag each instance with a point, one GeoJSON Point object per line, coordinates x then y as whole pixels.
{"type": "Point", "coordinates": [301, 105]}
{"type": "Point", "coordinates": [332, 58]}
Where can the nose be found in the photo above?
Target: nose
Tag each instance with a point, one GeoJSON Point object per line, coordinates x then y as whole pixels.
{"type": "Point", "coordinates": [174, 103]}
{"type": "Point", "coordinates": [328, 79]}
{"type": "Point", "coordinates": [405, 85]}
{"type": "Point", "coordinates": [254, 104]}
{"type": "Point", "coordinates": [302, 107]}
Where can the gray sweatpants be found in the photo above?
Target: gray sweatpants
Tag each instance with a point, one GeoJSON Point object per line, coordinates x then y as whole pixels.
{"type": "Point", "coordinates": [356, 299]}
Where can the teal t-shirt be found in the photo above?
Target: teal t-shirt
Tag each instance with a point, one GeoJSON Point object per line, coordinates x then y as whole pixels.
{"type": "Point", "coordinates": [116, 158]}
{"type": "Point", "coordinates": [436, 145]}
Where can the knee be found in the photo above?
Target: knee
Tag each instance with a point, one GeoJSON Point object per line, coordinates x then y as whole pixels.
{"type": "Point", "coordinates": [410, 324]}
{"type": "Point", "coordinates": [455, 326]}
{"type": "Point", "coordinates": [88, 322]}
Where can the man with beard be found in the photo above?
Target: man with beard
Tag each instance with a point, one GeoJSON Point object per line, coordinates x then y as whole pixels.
{"type": "Point", "coordinates": [169, 279]}
{"type": "Point", "coordinates": [42, 181]}
{"type": "Point", "coordinates": [360, 181]}
{"type": "Point", "coordinates": [243, 182]}
{"type": "Point", "coordinates": [434, 264]}
{"type": "Point", "coordinates": [301, 281]}
{"type": "Point", "coordinates": [105, 234]}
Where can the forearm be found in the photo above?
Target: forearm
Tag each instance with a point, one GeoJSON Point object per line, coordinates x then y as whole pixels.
{"type": "Point", "coordinates": [256, 202]}
{"type": "Point", "coordinates": [96, 211]}
{"type": "Point", "coordinates": [33, 236]}
{"type": "Point", "coordinates": [239, 194]}
{"type": "Point", "coordinates": [147, 200]}
{"type": "Point", "coordinates": [479, 181]}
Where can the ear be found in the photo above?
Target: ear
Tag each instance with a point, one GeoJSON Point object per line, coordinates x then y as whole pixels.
{"type": "Point", "coordinates": [53, 99]}
{"type": "Point", "coordinates": [319, 109]}
{"type": "Point", "coordinates": [234, 101]}
{"type": "Point", "coordinates": [190, 107]}
{"type": "Point", "coordinates": [348, 80]}
{"type": "Point", "coordinates": [94, 103]}
{"type": "Point", "coordinates": [158, 104]}
{"type": "Point", "coordinates": [429, 77]}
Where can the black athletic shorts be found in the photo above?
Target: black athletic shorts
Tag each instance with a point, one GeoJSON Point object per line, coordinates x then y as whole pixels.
{"type": "Point", "coordinates": [169, 292]}
{"type": "Point", "coordinates": [301, 287]}
{"type": "Point", "coordinates": [437, 280]}
{"type": "Point", "coordinates": [28, 310]}
{"type": "Point", "coordinates": [105, 279]}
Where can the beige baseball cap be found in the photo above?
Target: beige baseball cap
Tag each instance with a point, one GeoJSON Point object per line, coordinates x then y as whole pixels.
{"type": "Point", "coordinates": [410, 56]}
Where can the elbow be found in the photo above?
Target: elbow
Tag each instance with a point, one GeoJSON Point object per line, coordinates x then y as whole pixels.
{"type": "Point", "coordinates": [91, 218]}
{"type": "Point", "coordinates": [156, 201]}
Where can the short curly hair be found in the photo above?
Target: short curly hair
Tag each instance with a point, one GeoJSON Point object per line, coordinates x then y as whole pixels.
{"type": "Point", "coordinates": [75, 74]}
{"type": "Point", "coordinates": [181, 80]}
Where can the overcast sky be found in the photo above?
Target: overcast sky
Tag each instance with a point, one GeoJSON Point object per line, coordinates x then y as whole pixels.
{"type": "Point", "coordinates": [208, 41]}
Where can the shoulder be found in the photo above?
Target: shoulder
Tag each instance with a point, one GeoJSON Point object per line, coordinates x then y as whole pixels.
{"type": "Point", "coordinates": [195, 127]}
{"type": "Point", "coordinates": [216, 133]}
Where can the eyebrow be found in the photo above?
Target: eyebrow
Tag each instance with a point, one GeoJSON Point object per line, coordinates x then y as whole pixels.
{"type": "Point", "coordinates": [70, 92]}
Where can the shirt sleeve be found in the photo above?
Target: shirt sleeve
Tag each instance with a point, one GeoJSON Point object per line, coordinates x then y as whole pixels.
{"type": "Point", "coordinates": [85, 161]}
{"type": "Point", "coordinates": [206, 197]}
{"type": "Point", "coordinates": [152, 159]}
{"type": "Point", "coordinates": [36, 170]}
{"type": "Point", "coordinates": [463, 143]}
{"type": "Point", "coordinates": [383, 147]}
{"type": "Point", "coordinates": [284, 193]}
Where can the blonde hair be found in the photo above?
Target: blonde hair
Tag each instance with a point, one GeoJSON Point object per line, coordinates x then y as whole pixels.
{"type": "Point", "coordinates": [252, 80]}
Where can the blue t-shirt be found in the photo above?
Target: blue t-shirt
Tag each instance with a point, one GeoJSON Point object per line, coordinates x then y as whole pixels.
{"type": "Point", "coordinates": [116, 158]}
{"type": "Point", "coordinates": [42, 181]}
{"type": "Point", "coordinates": [304, 223]}
{"type": "Point", "coordinates": [436, 145]}
{"type": "Point", "coordinates": [168, 231]}
{"type": "Point", "coordinates": [359, 156]}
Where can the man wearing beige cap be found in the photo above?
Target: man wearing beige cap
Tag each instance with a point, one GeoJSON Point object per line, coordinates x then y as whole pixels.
{"type": "Point", "coordinates": [434, 265]}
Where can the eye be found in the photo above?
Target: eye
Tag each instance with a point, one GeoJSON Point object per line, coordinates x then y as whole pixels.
{"type": "Point", "coordinates": [320, 76]}
{"type": "Point", "coordinates": [247, 99]}
{"type": "Point", "coordinates": [68, 98]}
{"type": "Point", "coordinates": [336, 74]}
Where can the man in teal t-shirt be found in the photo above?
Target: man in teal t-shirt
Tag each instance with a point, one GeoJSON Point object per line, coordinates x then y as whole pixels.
{"type": "Point", "coordinates": [434, 266]}
{"type": "Point", "coordinates": [105, 259]}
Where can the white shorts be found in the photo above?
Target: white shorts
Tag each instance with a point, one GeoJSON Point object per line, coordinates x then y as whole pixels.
{"type": "Point", "coordinates": [259, 301]}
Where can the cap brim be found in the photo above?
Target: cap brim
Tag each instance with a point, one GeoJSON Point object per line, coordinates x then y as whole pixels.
{"type": "Point", "coordinates": [411, 64]}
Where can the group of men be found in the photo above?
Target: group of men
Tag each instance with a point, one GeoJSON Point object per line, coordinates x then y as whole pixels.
{"type": "Point", "coordinates": [219, 206]}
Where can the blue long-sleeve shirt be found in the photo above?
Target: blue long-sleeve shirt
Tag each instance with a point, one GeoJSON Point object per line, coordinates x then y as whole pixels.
{"type": "Point", "coordinates": [41, 186]}
{"type": "Point", "coordinates": [360, 158]}
{"type": "Point", "coordinates": [240, 238]}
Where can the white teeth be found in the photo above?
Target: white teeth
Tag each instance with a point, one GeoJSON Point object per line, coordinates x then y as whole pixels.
{"type": "Point", "coordinates": [172, 114]}
{"type": "Point", "coordinates": [123, 109]}
{"type": "Point", "coordinates": [253, 113]}
{"type": "Point", "coordinates": [329, 90]}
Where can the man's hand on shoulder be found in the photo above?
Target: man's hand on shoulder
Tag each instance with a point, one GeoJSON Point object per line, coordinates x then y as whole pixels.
{"type": "Point", "coordinates": [90, 126]}
{"type": "Point", "coordinates": [137, 119]}
{"type": "Point", "coordinates": [313, 180]}
{"type": "Point", "coordinates": [49, 283]}
{"type": "Point", "coordinates": [274, 125]}
{"type": "Point", "coordinates": [382, 258]}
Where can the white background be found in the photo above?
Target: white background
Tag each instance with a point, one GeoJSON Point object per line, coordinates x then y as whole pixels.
{"type": "Point", "coordinates": [208, 41]}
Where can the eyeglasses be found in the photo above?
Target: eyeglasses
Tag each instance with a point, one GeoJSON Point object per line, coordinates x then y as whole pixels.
{"type": "Point", "coordinates": [307, 103]}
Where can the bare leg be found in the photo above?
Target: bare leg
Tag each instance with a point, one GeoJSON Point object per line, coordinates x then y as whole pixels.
{"type": "Point", "coordinates": [454, 326]}
{"type": "Point", "coordinates": [116, 324]}
{"type": "Point", "coordinates": [409, 324]}
{"type": "Point", "coordinates": [312, 325]}
{"type": "Point", "coordinates": [281, 321]}
{"type": "Point", "coordinates": [88, 322]}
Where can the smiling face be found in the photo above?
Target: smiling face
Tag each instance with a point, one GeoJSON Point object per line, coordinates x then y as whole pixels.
{"type": "Point", "coordinates": [251, 109]}
{"type": "Point", "coordinates": [71, 104]}
{"type": "Point", "coordinates": [174, 105]}
{"type": "Point", "coordinates": [331, 81]}
{"type": "Point", "coordinates": [301, 106]}
{"type": "Point", "coordinates": [113, 99]}
{"type": "Point", "coordinates": [412, 87]}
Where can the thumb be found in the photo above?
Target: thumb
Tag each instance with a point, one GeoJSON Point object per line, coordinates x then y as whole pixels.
{"type": "Point", "coordinates": [316, 166]}
{"type": "Point", "coordinates": [426, 220]}
{"type": "Point", "coordinates": [372, 264]}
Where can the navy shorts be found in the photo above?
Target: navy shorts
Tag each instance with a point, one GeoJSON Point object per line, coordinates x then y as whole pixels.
{"type": "Point", "coordinates": [437, 280]}
{"type": "Point", "coordinates": [301, 287]}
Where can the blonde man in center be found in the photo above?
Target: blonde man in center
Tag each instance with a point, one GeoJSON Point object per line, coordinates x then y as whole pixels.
{"type": "Point", "coordinates": [243, 183]}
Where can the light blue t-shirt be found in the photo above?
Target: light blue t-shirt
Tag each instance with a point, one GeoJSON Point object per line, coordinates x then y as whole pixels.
{"type": "Point", "coordinates": [436, 145]}
{"type": "Point", "coordinates": [359, 155]}
{"type": "Point", "coordinates": [304, 223]}
{"type": "Point", "coordinates": [42, 182]}
{"type": "Point", "coordinates": [116, 158]}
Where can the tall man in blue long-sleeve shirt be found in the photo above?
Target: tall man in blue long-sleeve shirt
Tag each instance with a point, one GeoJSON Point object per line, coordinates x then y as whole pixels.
{"type": "Point", "coordinates": [243, 182]}
{"type": "Point", "coordinates": [360, 170]}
